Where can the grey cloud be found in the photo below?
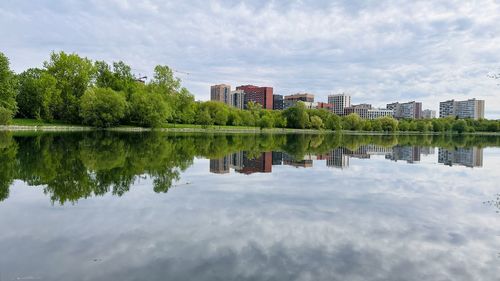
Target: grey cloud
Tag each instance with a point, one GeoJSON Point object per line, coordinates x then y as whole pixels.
{"type": "Point", "coordinates": [381, 51]}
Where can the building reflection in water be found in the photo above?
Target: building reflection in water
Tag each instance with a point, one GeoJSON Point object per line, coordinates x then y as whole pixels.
{"type": "Point", "coordinates": [469, 157]}
{"type": "Point", "coordinates": [245, 163]}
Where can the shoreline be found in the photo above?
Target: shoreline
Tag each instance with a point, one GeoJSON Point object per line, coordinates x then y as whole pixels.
{"type": "Point", "coordinates": [215, 129]}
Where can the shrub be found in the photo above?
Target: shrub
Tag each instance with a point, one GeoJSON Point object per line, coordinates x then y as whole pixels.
{"type": "Point", "coordinates": [102, 107]}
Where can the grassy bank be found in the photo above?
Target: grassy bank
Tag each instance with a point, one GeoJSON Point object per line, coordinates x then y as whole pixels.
{"type": "Point", "coordinates": [38, 125]}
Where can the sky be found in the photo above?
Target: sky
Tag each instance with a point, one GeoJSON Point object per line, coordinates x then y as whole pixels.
{"type": "Point", "coordinates": [377, 51]}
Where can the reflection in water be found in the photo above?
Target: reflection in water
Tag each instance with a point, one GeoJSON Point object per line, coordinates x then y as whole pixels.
{"type": "Point", "coordinates": [339, 158]}
{"type": "Point", "coordinates": [72, 166]}
{"type": "Point", "coordinates": [465, 156]}
{"type": "Point", "coordinates": [374, 220]}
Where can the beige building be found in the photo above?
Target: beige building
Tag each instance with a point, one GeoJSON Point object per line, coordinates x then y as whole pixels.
{"type": "Point", "coordinates": [221, 92]}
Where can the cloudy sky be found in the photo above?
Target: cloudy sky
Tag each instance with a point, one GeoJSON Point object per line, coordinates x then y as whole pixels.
{"type": "Point", "coordinates": [379, 51]}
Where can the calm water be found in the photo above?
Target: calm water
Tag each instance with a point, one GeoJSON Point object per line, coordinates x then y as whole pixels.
{"type": "Point", "coordinates": [103, 206]}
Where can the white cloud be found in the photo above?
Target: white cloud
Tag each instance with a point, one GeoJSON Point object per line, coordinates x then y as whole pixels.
{"type": "Point", "coordinates": [382, 51]}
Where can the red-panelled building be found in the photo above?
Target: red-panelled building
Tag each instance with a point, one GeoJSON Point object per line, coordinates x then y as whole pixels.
{"type": "Point", "coordinates": [262, 95]}
{"type": "Point", "coordinates": [325, 105]}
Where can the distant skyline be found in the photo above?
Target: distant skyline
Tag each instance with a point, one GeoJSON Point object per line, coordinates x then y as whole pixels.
{"type": "Point", "coordinates": [377, 51]}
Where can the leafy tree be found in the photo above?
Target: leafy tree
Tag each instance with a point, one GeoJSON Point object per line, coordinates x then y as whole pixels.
{"type": "Point", "coordinates": [120, 78]}
{"type": "Point", "coordinates": [38, 94]}
{"type": "Point", "coordinates": [317, 122]}
{"type": "Point", "coordinates": [74, 75]}
{"type": "Point", "coordinates": [204, 118]}
{"type": "Point", "coordinates": [5, 116]}
{"type": "Point", "coordinates": [352, 122]}
{"type": "Point", "coordinates": [148, 109]}
{"type": "Point", "coordinates": [8, 85]}
{"type": "Point", "coordinates": [297, 116]}
{"type": "Point", "coordinates": [388, 124]}
{"type": "Point", "coordinates": [102, 107]}
{"type": "Point", "coordinates": [376, 125]}
{"type": "Point", "coordinates": [333, 122]}
{"type": "Point", "coordinates": [459, 126]}
{"type": "Point", "coordinates": [164, 81]}
{"type": "Point", "coordinates": [266, 121]}
{"type": "Point", "coordinates": [184, 107]}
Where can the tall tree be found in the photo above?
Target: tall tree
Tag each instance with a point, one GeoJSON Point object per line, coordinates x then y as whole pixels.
{"type": "Point", "coordinates": [8, 85]}
{"type": "Point", "coordinates": [38, 95]}
{"type": "Point", "coordinates": [74, 75]}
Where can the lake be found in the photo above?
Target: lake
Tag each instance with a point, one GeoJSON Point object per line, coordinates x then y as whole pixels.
{"type": "Point", "coordinates": [164, 206]}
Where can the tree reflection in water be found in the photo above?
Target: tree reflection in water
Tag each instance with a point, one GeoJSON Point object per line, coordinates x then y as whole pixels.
{"type": "Point", "coordinates": [72, 166]}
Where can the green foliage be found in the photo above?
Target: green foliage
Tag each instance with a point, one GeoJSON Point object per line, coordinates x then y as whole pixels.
{"type": "Point", "coordinates": [333, 122]}
{"type": "Point", "coordinates": [102, 107]}
{"type": "Point", "coordinates": [459, 126]}
{"type": "Point", "coordinates": [38, 95]}
{"type": "Point", "coordinates": [266, 120]}
{"type": "Point", "coordinates": [8, 85]}
{"type": "Point", "coordinates": [164, 81]}
{"type": "Point", "coordinates": [317, 122]}
{"type": "Point", "coordinates": [73, 75]}
{"type": "Point", "coordinates": [119, 79]}
{"type": "Point", "coordinates": [297, 116]}
{"type": "Point", "coordinates": [204, 118]}
{"type": "Point", "coordinates": [5, 116]}
{"type": "Point", "coordinates": [148, 109]}
{"type": "Point", "coordinates": [352, 122]}
{"type": "Point", "coordinates": [183, 107]}
{"type": "Point", "coordinates": [388, 124]}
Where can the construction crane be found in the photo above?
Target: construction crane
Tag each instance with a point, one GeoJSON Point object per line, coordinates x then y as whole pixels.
{"type": "Point", "coordinates": [178, 71]}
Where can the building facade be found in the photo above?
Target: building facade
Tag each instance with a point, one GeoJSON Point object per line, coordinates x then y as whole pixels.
{"type": "Point", "coordinates": [340, 102]}
{"type": "Point", "coordinates": [292, 100]}
{"type": "Point", "coordinates": [407, 110]}
{"type": "Point", "coordinates": [277, 102]}
{"type": "Point", "coordinates": [261, 95]}
{"type": "Point", "coordinates": [221, 92]}
{"type": "Point", "coordinates": [324, 105]}
{"type": "Point", "coordinates": [365, 111]}
{"type": "Point", "coordinates": [471, 108]}
{"type": "Point", "coordinates": [428, 114]}
{"type": "Point", "coordinates": [238, 99]}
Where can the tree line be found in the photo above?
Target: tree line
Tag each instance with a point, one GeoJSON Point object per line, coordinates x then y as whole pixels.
{"type": "Point", "coordinates": [76, 90]}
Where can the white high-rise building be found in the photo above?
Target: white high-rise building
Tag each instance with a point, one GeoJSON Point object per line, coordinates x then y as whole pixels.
{"type": "Point", "coordinates": [428, 114]}
{"type": "Point", "coordinates": [462, 109]}
{"type": "Point", "coordinates": [340, 102]}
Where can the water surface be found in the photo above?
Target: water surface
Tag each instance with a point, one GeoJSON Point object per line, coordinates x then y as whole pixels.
{"type": "Point", "coordinates": [152, 206]}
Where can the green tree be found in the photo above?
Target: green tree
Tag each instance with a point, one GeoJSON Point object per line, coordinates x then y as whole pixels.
{"type": "Point", "coordinates": [102, 107]}
{"type": "Point", "coordinates": [74, 75]}
{"type": "Point", "coordinates": [352, 122]}
{"type": "Point", "coordinates": [8, 86]}
{"type": "Point", "coordinates": [459, 126]}
{"type": "Point", "coordinates": [38, 94]}
{"type": "Point", "coordinates": [296, 116]}
{"type": "Point", "coordinates": [317, 122]}
{"type": "Point", "coordinates": [388, 124]}
{"type": "Point", "coordinates": [5, 116]}
{"type": "Point", "coordinates": [184, 107]}
{"type": "Point", "coordinates": [120, 78]}
{"type": "Point", "coordinates": [204, 119]}
{"type": "Point", "coordinates": [333, 122]}
{"type": "Point", "coordinates": [164, 81]}
{"type": "Point", "coordinates": [266, 121]}
{"type": "Point", "coordinates": [148, 109]}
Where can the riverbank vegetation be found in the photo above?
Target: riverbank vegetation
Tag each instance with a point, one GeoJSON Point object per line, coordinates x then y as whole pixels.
{"type": "Point", "coordinates": [74, 90]}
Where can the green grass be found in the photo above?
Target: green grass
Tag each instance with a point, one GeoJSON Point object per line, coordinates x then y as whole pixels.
{"type": "Point", "coordinates": [34, 122]}
{"type": "Point", "coordinates": [193, 126]}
